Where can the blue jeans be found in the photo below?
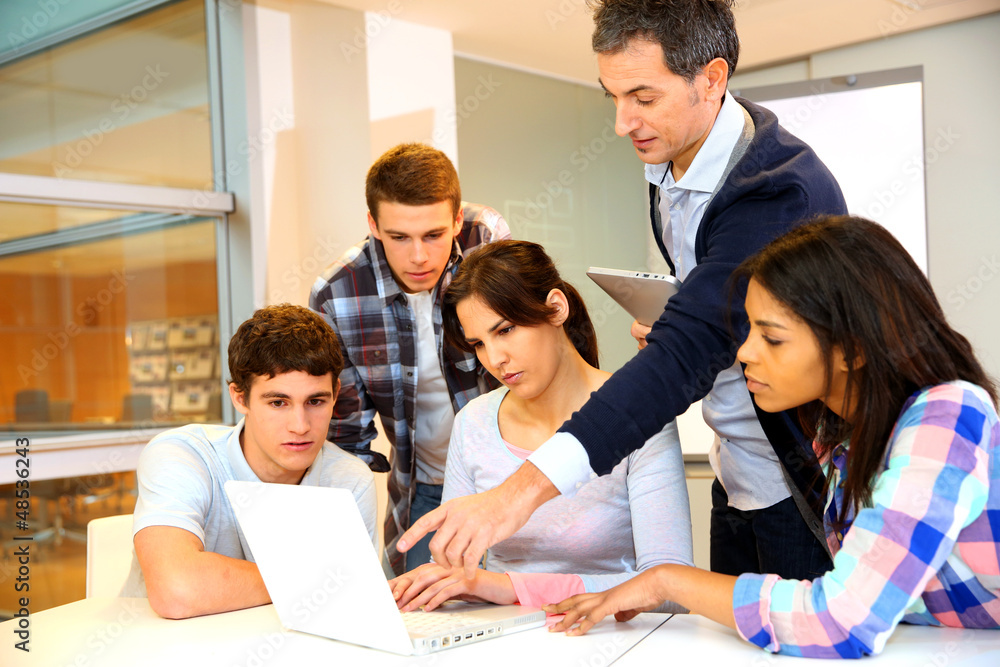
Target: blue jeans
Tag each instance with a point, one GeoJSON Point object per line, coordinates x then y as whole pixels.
{"type": "Point", "coordinates": [772, 540]}
{"type": "Point", "coordinates": [427, 497]}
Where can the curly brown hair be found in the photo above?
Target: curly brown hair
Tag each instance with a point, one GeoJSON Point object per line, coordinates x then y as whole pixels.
{"type": "Point", "coordinates": [280, 339]}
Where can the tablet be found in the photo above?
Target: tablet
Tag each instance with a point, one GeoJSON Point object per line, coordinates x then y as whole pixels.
{"type": "Point", "coordinates": [642, 294]}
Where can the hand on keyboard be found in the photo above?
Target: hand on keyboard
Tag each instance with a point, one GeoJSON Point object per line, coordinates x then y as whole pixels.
{"type": "Point", "coordinates": [432, 584]}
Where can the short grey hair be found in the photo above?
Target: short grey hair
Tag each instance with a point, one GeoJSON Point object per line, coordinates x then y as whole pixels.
{"type": "Point", "coordinates": [692, 33]}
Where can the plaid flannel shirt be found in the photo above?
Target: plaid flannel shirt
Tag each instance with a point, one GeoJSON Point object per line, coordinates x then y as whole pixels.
{"type": "Point", "coordinates": [359, 298]}
{"type": "Point", "coordinates": [926, 551]}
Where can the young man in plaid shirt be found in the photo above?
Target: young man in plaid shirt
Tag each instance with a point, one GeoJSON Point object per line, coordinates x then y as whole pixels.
{"type": "Point", "coordinates": [383, 299]}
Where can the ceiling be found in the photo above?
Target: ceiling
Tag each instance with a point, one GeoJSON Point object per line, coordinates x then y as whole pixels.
{"type": "Point", "coordinates": [553, 36]}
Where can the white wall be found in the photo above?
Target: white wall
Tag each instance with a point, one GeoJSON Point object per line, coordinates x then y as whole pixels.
{"type": "Point", "coordinates": [307, 98]}
{"type": "Point", "coordinates": [411, 86]}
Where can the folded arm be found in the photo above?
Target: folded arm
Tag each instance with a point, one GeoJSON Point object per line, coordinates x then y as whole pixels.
{"type": "Point", "coordinates": [184, 580]}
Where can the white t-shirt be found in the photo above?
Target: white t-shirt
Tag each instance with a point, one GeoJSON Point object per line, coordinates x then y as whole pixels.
{"type": "Point", "coordinates": [180, 480]}
{"type": "Point", "coordinates": [434, 413]}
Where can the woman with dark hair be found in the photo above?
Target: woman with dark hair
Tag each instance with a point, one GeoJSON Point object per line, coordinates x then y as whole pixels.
{"type": "Point", "coordinates": [531, 331]}
{"type": "Point", "coordinates": [844, 325]}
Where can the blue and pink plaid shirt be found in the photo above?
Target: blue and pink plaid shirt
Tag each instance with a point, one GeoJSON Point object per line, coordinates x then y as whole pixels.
{"type": "Point", "coordinates": [926, 551]}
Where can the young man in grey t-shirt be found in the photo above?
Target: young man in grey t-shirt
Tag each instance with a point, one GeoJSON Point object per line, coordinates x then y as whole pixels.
{"type": "Point", "coordinates": [284, 363]}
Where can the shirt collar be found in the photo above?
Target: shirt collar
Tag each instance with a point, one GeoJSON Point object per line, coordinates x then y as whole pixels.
{"type": "Point", "coordinates": [311, 478]}
{"type": "Point", "coordinates": [237, 461]}
{"type": "Point", "coordinates": [710, 162]}
{"type": "Point", "coordinates": [244, 473]}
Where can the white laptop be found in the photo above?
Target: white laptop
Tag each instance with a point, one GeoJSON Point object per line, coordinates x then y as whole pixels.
{"type": "Point", "coordinates": [641, 293]}
{"type": "Point", "coordinates": [324, 577]}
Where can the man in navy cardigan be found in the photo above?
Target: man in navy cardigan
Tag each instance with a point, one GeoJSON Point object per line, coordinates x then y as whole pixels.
{"type": "Point", "coordinates": [725, 180]}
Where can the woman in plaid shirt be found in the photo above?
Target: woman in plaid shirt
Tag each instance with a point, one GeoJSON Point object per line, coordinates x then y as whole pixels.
{"type": "Point", "coordinates": [844, 325]}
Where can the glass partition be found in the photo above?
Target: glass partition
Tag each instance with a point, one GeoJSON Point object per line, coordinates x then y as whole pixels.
{"type": "Point", "coordinates": [20, 221]}
{"type": "Point", "coordinates": [129, 104]}
{"type": "Point", "coordinates": [118, 331]}
{"type": "Point", "coordinates": [110, 326]}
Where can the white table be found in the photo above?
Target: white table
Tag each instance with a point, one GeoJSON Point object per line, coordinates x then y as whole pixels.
{"type": "Point", "coordinates": [126, 631]}
{"type": "Point", "coordinates": [695, 640]}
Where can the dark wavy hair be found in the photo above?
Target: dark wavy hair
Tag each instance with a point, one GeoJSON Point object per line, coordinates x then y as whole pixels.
{"type": "Point", "coordinates": [514, 279]}
{"type": "Point", "coordinates": [858, 290]}
{"type": "Point", "coordinates": [692, 33]}
{"type": "Point", "coordinates": [280, 339]}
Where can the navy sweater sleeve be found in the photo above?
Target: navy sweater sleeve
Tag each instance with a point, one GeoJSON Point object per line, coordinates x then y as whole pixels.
{"type": "Point", "coordinates": [777, 184]}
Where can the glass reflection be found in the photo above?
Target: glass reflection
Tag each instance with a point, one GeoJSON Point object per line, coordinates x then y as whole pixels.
{"type": "Point", "coordinates": [119, 332]}
{"type": "Point", "coordinates": [126, 104]}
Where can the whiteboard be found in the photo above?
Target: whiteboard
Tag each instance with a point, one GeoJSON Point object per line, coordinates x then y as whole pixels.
{"type": "Point", "coordinates": [869, 131]}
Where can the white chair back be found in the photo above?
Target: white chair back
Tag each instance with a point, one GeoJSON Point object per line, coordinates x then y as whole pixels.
{"type": "Point", "coordinates": [109, 555]}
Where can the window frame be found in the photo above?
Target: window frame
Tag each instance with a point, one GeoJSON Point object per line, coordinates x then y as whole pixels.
{"type": "Point", "coordinates": [231, 185]}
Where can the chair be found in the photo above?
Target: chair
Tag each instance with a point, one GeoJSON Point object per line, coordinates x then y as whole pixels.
{"type": "Point", "coordinates": [109, 555]}
{"type": "Point", "coordinates": [31, 405]}
{"type": "Point", "coordinates": [137, 408]}
{"type": "Point", "coordinates": [61, 411]}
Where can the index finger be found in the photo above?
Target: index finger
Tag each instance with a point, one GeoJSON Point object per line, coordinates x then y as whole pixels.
{"type": "Point", "coordinates": [425, 524]}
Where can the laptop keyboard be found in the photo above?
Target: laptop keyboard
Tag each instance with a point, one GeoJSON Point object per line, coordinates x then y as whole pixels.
{"type": "Point", "coordinates": [425, 622]}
